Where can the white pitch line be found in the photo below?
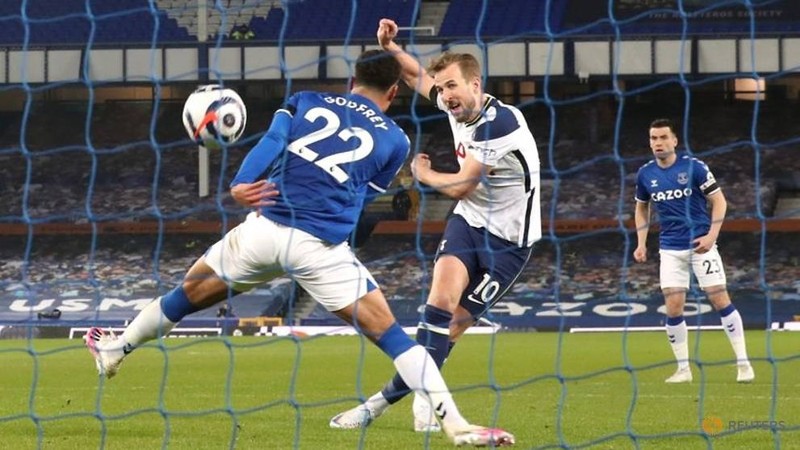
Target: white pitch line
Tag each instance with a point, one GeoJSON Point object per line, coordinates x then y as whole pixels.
{"type": "Point", "coordinates": [664, 396]}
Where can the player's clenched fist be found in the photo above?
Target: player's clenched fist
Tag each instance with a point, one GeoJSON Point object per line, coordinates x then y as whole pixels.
{"type": "Point", "coordinates": [420, 165]}
{"type": "Point", "coordinates": [387, 30]}
{"type": "Point", "coordinates": [640, 254]}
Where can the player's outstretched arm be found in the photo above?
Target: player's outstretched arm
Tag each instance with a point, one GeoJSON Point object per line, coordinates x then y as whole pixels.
{"type": "Point", "coordinates": [413, 74]}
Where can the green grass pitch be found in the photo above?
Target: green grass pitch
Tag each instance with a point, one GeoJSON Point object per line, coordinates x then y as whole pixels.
{"type": "Point", "coordinates": [265, 393]}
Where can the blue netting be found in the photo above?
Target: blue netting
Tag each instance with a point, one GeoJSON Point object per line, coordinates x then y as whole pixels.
{"type": "Point", "coordinates": [121, 175]}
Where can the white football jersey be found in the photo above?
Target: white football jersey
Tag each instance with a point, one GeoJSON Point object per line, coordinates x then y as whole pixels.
{"type": "Point", "coordinates": [506, 202]}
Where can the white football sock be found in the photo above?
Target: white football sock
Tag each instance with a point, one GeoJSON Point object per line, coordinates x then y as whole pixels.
{"type": "Point", "coordinates": [732, 323]}
{"type": "Point", "coordinates": [678, 340]}
{"type": "Point", "coordinates": [149, 324]}
{"type": "Point", "coordinates": [421, 374]}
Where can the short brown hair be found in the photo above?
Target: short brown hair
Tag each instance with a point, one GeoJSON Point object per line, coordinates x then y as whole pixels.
{"type": "Point", "coordinates": [470, 67]}
{"type": "Point", "coordinates": [664, 123]}
{"type": "Point", "coordinates": [377, 69]}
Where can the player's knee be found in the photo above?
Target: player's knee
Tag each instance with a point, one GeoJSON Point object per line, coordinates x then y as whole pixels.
{"type": "Point", "coordinates": [673, 293]}
{"type": "Point", "coordinates": [674, 300]}
{"type": "Point", "coordinates": [204, 292]}
{"type": "Point", "coordinates": [718, 296]}
{"type": "Point", "coordinates": [370, 313]}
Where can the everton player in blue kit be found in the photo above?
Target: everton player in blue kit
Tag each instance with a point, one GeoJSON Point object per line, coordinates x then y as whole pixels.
{"type": "Point", "coordinates": [682, 188]}
{"type": "Point", "coordinates": [325, 156]}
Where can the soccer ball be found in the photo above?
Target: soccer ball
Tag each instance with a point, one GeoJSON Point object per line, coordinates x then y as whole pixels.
{"type": "Point", "coordinates": [213, 115]}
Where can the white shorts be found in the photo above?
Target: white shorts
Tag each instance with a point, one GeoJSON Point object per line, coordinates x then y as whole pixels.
{"type": "Point", "coordinates": [249, 255]}
{"type": "Point", "coordinates": [707, 268]}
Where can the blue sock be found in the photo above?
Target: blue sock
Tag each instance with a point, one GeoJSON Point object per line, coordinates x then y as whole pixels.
{"type": "Point", "coordinates": [433, 333]}
{"type": "Point", "coordinates": [395, 341]}
{"type": "Point", "coordinates": [672, 321]}
{"type": "Point", "coordinates": [175, 305]}
{"type": "Point", "coordinates": [726, 311]}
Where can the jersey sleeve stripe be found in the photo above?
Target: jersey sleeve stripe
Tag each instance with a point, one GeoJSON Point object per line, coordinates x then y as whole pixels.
{"type": "Point", "coordinates": [377, 188]}
{"type": "Point", "coordinates": [527, 223]}
{"type": "Point", "coordinates": [285, 111]}
{"type": "Point", "coordinates": [525, 169]}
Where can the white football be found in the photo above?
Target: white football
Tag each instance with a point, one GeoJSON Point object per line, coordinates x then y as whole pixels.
{"type": "Point", "coordinates": [214, 115]}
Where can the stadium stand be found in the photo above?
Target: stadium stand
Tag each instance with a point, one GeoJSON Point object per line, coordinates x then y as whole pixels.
{"type": "Point", "coordinates": [321, 19]}
{"type": "Point", "coordinates": [583, 173]}
{"type": "Point", "coordinates": [702, 17]}
{"type": "Point", "coordinates": [502, 18]}
{"type": "Point", "coordinates": [134, 21]}
{"type": "Point", "coordinates": [68, 22]}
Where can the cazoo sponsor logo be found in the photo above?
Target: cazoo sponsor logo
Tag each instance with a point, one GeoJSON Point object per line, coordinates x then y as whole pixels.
{"type": "Point", "coordinates": [670, 194]}
{"type": "Point", "coordinates": [579, 309]}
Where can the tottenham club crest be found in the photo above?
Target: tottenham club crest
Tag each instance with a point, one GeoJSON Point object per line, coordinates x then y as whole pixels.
{"type": "Point", "coordinates": [683, 178]}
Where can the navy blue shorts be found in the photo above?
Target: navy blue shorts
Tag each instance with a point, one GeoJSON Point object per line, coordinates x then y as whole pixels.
{"type": "Point", "coordinates": [493, 264]}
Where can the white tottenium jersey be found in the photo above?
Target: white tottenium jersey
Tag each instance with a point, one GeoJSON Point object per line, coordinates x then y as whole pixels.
{"type": "Point", "coordinates": [506, 202]}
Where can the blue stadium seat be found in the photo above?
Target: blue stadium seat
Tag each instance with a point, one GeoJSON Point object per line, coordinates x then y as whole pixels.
{"type": "Point", "coordinates": [9, 9]}
{"type": "Point", "coordinates": [127, 21]}
{"type": "Point", "coordinates": [502, 18]}
{"type": "Point", "coordinates": [322, 19]}
{"type": "Point", "coordinates": [697, 25]}
{"type": "Point", "coordinates": [67, 22]}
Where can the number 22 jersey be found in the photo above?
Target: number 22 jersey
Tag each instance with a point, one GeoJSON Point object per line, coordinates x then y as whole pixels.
{"type": "Point", "coordinates": [341, 151]}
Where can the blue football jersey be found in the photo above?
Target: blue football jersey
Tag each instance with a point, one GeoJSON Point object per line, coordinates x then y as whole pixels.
{"type": "Point", "coordinates": [340, 151]}
{"type": "Point", "coordinates": [679, 195]}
